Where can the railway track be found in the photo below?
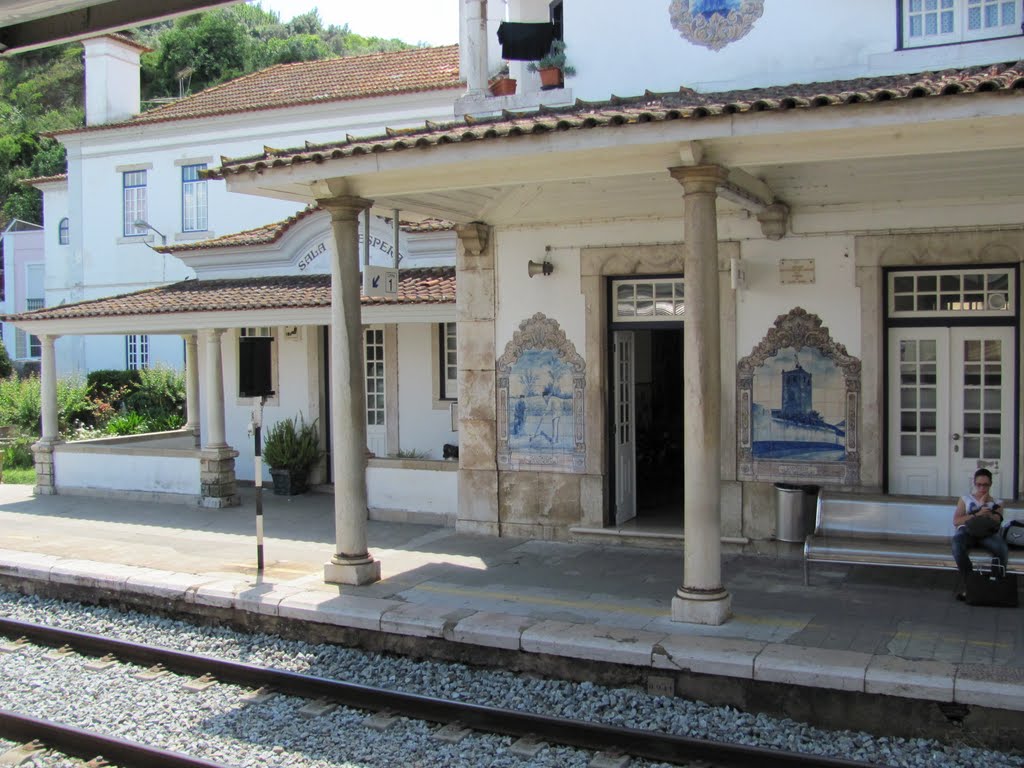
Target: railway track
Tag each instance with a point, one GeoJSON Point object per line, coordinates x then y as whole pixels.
{"type": "Point", "coordinates": [593, 737]}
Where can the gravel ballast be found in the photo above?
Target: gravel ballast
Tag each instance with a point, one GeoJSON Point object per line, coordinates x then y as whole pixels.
{"type": "Point", "coordinates": [213, 724]}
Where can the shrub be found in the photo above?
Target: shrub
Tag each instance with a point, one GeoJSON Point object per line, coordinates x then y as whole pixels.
{"type": "Point", "coordinates": [166, 422]}
{"type": "Point", "coordinates": [160, 392]}
{"type": "Point", "coordinates": [130, 423]}
{"type": "Point", "coordinates": [112, 386]}
{"type": "Point", "coordinates": [20, 404]}
{"type": "Point", "coordinates": [18, 453]}
{"type": "Point", "coordinates": [73, 403]}
{"type": "Point", "coordinates": [292, 444]}
{"type": "Point", "coordinates": [6, 366]}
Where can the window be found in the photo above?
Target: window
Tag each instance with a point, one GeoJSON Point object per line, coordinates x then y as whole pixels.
{"type": "Point", "coordinates": [134, 202]}
{"type": "Point", "coordinates": [26, 345]}
{"type": "Point", "coordinates": [647, 300]}
{"type": "Point", "coordinates": [193, 199]}
{"type": "Point", "coordinates": [952, 293]}
{"type": "Point", "coordinates": [374, 356]}
{"type": "Point", "coordinates": [64, 231]}
{"type": "Point", "coordinates": [255, 362]}
{"type": "Point", "coordinates": [449, 367]}
{"type": "Point", "coordinates": [136, 352]}
{"type": "Point", "coordinates": [934, 22]}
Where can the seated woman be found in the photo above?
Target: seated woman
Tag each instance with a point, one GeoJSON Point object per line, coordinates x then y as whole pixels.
{"type": "Point", "coordinates": [977, 520]}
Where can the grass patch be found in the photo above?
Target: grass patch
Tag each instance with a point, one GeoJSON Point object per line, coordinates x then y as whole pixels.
{"type": "Point", "coordinates": [15, 476]}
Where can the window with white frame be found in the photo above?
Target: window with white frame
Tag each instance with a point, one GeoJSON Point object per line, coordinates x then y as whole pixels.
{"type": "Point", "coordinates": [449, 362]}
{"type": "Point", "coordinates": [134, 183]}
{"type": "Point", "coordinates": [193, 199]}
{"type": "Point", "coordinates": [136, 352]}
{"type": "Point", "coordinates": [935, 22]}
{"type": "Point", "coordinates": [64, 231]}
{"type": "Point", "coordinates": [256, 362]}
{"type": "Point", "coordinates": [985, 292]}
{"type": "Point", "coordinates": [647, 300]}
{"type": "Point", "coordinates": [374, 357]}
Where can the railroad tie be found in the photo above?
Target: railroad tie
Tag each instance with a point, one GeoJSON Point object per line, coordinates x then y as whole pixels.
{"type": "Point", "coordinates": [21, 754]}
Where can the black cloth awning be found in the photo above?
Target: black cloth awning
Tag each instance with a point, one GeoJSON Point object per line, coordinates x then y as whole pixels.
{"type": "Point", "coordinates": [522, 41]}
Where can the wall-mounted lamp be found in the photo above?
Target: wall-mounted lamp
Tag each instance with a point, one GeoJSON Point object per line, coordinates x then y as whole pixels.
{"type": "Point", "coordinates": [538, 268]}
{"type": "Point", "coordinates": [143, 224]}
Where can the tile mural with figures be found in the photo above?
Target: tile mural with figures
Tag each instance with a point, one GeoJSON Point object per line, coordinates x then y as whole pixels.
{"type": "Point", "coordinates": [540, 400]}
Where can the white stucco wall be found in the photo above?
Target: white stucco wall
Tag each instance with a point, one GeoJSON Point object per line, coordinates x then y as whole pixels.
{"type": "Point", "coordinates": [164, 474]}
{"type": "Point", "coordinates": [793, 41]}
{"type": "Point", "coordinates": [422, 426]}
{"type": "Point", "coordinates": [425, 491]}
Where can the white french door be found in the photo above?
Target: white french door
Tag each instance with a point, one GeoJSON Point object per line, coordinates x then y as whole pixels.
{"type": "Point", "coordinates": [951, 409]}
{"type": "Point", "coordinates": [625, 427]}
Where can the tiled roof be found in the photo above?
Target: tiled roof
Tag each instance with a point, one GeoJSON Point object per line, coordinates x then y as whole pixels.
{"type": "Point", "coordinates": [685, 104]}
{"type": "Point", "coordinates": [312, 82]}
{"type": "Point", "coordinates": [420, 285]}
{"type": "Point", "coordinates": [271, 233]}
{"type": "Point", "coordinates": [44, 179]}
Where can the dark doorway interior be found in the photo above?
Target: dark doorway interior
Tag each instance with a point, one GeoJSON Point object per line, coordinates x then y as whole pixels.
{"type": "Point", "coordinates": [659, 425]}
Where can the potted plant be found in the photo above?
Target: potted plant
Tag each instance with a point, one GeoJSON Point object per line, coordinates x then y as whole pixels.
{"type": "Point", "coordinates": [553, 68]}
{"type": "Point", "coordinates": [291, 449]}
{"type": "Point", "coordinates": [502, 84]}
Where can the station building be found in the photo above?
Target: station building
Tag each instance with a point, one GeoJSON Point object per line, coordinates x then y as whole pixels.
{"type": "Point", "coordinates": [747, 243]}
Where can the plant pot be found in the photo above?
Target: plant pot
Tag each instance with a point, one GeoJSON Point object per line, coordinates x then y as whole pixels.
{"type": "Point", "coordinates": [289, 482]}
{"type": "Point", "coordinates": [506, 86]}
{"type": "Point", "coordinates": [550, 77]}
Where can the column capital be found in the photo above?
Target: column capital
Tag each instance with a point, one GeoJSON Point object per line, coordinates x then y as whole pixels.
{"type": "Point", "coordinates": [699, 178]}
{"type": "Point", "coordinates": [344, 207]}
{"type": "Point", "coordinates": [473, 237]}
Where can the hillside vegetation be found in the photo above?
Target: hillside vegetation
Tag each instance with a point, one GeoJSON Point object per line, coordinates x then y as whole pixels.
{"type": "Point", "coordinates": [42, 91]}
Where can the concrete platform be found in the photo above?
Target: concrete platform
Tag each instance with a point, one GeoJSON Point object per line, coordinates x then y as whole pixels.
{"type": "Point", "coordinates": [857, 630]}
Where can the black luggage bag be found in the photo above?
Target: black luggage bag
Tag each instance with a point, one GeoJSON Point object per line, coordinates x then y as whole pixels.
{"type": "Point", "coordinates": [994, 587]}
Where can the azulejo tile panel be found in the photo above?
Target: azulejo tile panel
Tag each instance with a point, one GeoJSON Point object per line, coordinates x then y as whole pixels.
{"type": "Point", "coordinates": [714, 23]}
{"type": "Point", "coordinates": [540, 400]}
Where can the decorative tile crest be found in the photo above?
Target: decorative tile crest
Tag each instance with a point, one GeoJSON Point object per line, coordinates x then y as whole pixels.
{"type": "Point", "coordinates": [714, 23]}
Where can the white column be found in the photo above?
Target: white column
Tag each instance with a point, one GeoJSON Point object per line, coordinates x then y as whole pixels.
{"type": "Point", "coordinates": [701, 599]}
{"type": "Point", "coordinates": [475, 57]}
{"type": "Point", "coordinates": [352, 562]}
{"type": "Point", "coordinates": [192, 384]}
{"type": "Point", "coordinates": [215, 432]}
{"type": "Point", "coordinates": [48, 389]}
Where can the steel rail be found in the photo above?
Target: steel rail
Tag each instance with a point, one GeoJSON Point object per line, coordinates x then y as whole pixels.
{"type": "Point", "coordinates": [651, 745]}
{"type": "Point", "coordinates": [87, 744]}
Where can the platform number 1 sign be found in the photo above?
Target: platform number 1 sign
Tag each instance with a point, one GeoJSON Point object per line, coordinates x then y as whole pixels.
{"type": "Point", "coordinates": [380, 281]}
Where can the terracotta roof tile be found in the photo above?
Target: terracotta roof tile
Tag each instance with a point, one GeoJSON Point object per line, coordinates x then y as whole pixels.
{"type": "Point", "coordinates": [312, 82]}
{"type": "Point", "coordinates": [685, 104]}
{"type": "Point", "coordinates": [271, 233]}
{"type": "Point", "coordinates": [420, 285]}
{"type": "Point", "coordinates": [44, 179]}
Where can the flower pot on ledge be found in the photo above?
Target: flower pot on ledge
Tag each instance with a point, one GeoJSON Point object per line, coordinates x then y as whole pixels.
{"type": "Point", "coordinates": [550, 77]}
{"type": "Point", "coordinates": [505, 86]}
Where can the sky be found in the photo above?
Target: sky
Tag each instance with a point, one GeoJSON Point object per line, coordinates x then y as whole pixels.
{"type": "Point", "coordinates": [435, 22]}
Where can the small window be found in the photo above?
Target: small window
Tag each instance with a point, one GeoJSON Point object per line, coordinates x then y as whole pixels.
{"type": "Point", "coordinates": [647, 300]}
{"type": "Point", "coordinates": [134, 183]}
{"type": "Point", "coordinates": [136, 352]}
{"type": "Point", "coordinates": [935, 22]}
{"type": "Point", "coordinates": [193, 199]}
{"type": "Point", "coordinates": [255, 362]}
{"type": "Point", "coordinates": [373, 351]}
{"type": "Point", "coordinates": [64, 231]}
{"type": "Point", "coordinates": [449, 363]}
{"type": "Point", "coordinates": [952, 293]}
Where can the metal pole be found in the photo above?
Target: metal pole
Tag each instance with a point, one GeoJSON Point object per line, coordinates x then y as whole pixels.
{"type": "Point", "coordinates": [258, 458]}
{"type": "Point", "coordinates": [366, 236]}
{"type": "Point", "coordinates": [398, 231]}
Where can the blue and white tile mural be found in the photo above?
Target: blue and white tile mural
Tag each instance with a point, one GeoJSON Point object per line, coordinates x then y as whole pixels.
{"type": "Point", "coordinates": [540, 400]}
{"type": "Point", "coordinates": [798, 398]}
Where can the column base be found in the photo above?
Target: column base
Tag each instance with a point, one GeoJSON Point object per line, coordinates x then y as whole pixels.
{"type": "Point", "coordinates": [701, 608]}
{"type": "Point", "coordinates": [356, 571]}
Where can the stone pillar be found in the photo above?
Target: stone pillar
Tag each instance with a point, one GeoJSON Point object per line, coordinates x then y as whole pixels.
{"type": "Point", "coordinates": [43, 449]}
{"type": "Point", "coordinates": [217, 458]}
{"type": "Point", "coordinates": [478, 510]}
{"type": "Point", "coordinates": [475, 57]}
{"type": "Point", "coordinates": [352, 562]}
{"type": "Point", "coordinates": [701, 599]}
{"type": "Point", "coordinates": [192, 385]}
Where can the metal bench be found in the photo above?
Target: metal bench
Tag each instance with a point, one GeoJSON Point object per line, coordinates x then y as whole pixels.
{"type": "Point", "coordinates": [900, 531]}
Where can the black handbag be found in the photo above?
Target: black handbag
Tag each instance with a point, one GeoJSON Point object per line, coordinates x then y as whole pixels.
{"type": "Point", "coordinates": [994, 587]}
{"type": "Point", "coordinates": [980, 526]}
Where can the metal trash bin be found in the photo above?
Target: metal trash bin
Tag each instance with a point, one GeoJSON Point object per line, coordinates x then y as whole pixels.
{"type": "Point", "coordinates": [795, 507]}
